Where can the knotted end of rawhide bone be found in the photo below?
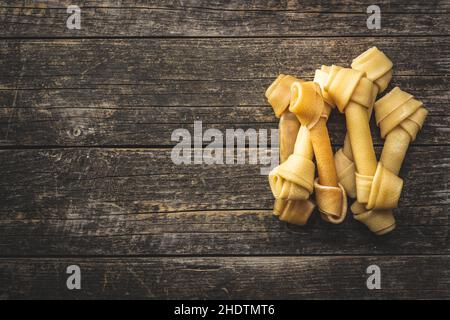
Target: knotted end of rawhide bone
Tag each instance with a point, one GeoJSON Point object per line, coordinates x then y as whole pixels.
{"type": "Point", "coordinates": [307, 103]}
{"type": "Point", "coordinates": [293, 179]}
{"type": "Point", "coordinates": [399, 108]}
{"type": "Point", "coordinates": [321, 78]}
{"type": "Point", "coordinates": [295, 212]}
{"type": "Point", "coordinates": [376, 65]}
{"type": "Point", "coordinates": [385, 190]}
{"type": "Point", "coordinates": [347, 86]}
{"type": "Point", "coordinates": [331, 201]}
{"type": "Point", "coordinates": [378, 221]}
{"type": "Point", "coordinates": [278, 93]}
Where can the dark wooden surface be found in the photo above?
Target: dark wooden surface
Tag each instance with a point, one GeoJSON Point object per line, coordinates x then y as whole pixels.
{"type": "Point", "coordinates": [327, 277]}
{"type": "Point", "coordinates": [86, 178]}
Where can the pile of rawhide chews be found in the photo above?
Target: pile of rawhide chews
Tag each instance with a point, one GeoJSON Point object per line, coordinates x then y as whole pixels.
{"type": "Point", "coordinates": [303, 108]}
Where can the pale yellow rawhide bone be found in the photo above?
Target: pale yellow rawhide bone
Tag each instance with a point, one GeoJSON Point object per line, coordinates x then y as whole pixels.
{"type": "Point", "coordinates": [352, 93]}
{"type": "Point", "coordinates": [278, 94]}
{"type": "Point", "coordinates": [321, 78]}
{"type": "Point", "coordinates": [400, 117]}
{"type": "Point", "coordinates": [345, 168]}
{"type": "Point", "coordinates": [294, 178]}
{"type": "Point", "coordinates": [378, 69]}
{"type": "Point", "coordinates": [288, 129]}
{"type": "Point", "coordinates": [309, 106]}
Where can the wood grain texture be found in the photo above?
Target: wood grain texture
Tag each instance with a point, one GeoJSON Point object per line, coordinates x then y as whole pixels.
{"type": "Point", "coordinates": [131, 202]}
{"type": "Point", "coordinates": [54, 127]}
{"type": "Point", "coordinates": [90, 63]}
{"type": "Point", "coordinates": [212, 233]}
{"type": "Point", "coordinates": [86, 178]}
{"type": "Point", "coordinates": [228, 278]}
{"type": "Point", "coordinates": [400, 6]}
{"type": "Point", "coordinates": [125, 92]}
{"type": "Point", "coordinates": [229, 19]}
{"type": "Point", "coordinates": [169, 92]}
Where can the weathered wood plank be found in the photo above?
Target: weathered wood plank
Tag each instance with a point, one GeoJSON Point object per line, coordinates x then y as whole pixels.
{"type": "Point", "coordinates": [409, 277]}
{"type": "Point", "coordinates": [112, 201]}
{"type": "Point", "coordinates": [164, 93]}
{"type": "Point", "coordinates": [216, 233]}
{"type": "Point", "coordinates": [224, 19]}
{"type": "Point", "coordinates": [88, 172]}
{"type": "Point", "coordinates": [105, 124]}
{"type": "Point", "coordinates": [399, 6]}
{"type": "Point", "coordinates": [91, 93]}
{"type": "Point", "coordinates": [57, 64]}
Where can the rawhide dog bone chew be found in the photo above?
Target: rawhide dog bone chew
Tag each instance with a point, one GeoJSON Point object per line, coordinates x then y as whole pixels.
{"type": "Point", "coordinates": [378, 69]}
{"type": "Point", "coordinates": [278, 95]}
{"type": "Point", "coordinates": [312, 111]}
{"type": "Point", "coordinates": [353, 94]}
{"type": "Point", "coordinates": [400, 117]}
{"type": "Point", "coordinates": [294, 178]}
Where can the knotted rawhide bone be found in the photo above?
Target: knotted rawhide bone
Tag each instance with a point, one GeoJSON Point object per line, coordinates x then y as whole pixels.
{"type": "Point", "coordinates": [292, 211]}
{"type": "Point", "coordinates": [312, 111]}
{"type": "Point", "coordinates": [400, 117]}
{"type": "Point", "coordinates": [353, 94]}
{"type": "Point", "coordinates": [278, 95]}
{"type": "Point", "coordinates": [378, 69]}
{"type": "Point", "coordinates": [294, 178]}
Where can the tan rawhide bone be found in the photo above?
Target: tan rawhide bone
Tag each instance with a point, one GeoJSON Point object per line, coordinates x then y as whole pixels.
{"type": "Point", "coordinates": [352, 93]}
{"type": "Point", "coordinates": [292, 182]}
{"type": "Point", "coordinates": [278, 95]}
{"type": "Point", "coordinates": [294, 178]}
{"type": "Point", "coordinates": [400, 117]}
{"type": "Point", "coordinates": [321, 78]}
{"type": "Point", "coordinates": [312, 111]}
{"type": "Point", "coordinates": [292, 211]}
{"type": "Point", "coordinates": [378, 69]}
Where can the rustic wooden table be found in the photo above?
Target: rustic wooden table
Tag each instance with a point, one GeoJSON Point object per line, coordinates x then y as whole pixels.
{"type": "Point", "coordinates": [86, 178]}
